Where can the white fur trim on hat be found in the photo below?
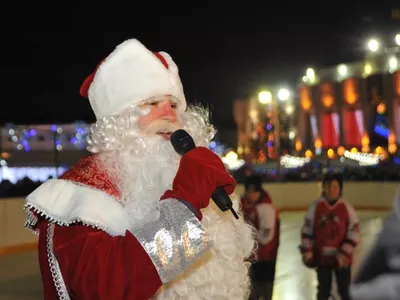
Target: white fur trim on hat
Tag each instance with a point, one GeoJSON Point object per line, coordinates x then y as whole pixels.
{"type": "Point", "coordinates": [130, 75]}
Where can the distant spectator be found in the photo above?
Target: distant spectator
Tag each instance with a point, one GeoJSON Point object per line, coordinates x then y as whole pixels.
{"type": "Point", "coordinates": [328, 238]}
{"type": "Point", "coordinates": [259, 211]}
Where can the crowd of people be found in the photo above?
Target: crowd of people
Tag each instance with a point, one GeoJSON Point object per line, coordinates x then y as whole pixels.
{"type": "Point", "coordinates": [21, 188]}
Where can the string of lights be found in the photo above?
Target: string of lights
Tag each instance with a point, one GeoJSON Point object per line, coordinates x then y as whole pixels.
{"type": "Point", "coordinates": [27, 138]}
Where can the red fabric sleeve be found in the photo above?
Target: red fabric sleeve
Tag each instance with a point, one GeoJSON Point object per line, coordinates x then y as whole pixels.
{"type": "Point", "coordinates": [98, 266]}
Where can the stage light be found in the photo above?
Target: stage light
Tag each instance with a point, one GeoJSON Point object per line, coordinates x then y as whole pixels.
{"type": "Point", "coordinates": [342, 70]}
{"type": "Point", "coordinates": [397, 39]}
{"type": "Point", "coordinates": [283, 94]}
{"type": "Point", "coordinates": [310, 74]}
{"type": "Point", "coordinates": [265, 97]}
{"type": "Point", "coordinates": [373, 45]}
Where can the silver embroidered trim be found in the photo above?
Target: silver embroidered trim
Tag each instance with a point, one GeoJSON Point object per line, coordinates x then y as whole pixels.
{"type": "Point", "coordinates": [175, 241]}
{"type": "Point", "coordinates": [58, 280]}
{"type": "Point", "coordinates": [31, 220]}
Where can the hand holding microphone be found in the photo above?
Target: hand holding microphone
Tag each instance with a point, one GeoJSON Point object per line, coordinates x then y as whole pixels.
{"type": "Point", "coordinates": [201, 176]}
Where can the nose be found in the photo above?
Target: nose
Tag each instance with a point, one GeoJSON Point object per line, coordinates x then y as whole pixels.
{"type": "Point", "coordinates": [167, 111]}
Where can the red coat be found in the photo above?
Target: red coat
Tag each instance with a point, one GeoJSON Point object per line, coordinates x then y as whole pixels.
{"type": "Point", "coordinates": [88, 248]}
{"type": "Point", "coordinates": [330, 230]}
{"type": "Point", "coordinates": [265, 218]}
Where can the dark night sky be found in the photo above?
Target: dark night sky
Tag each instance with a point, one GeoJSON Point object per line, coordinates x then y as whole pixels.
{"type": "Point", "coordinates": [223, 51]}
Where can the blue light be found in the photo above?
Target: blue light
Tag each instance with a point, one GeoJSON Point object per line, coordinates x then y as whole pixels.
{"type": "Point", "coordinates": [213, 144]}
{"type": "Point", "coordinates": [54, 128]}
{"type": "Point", "coordinates": [382, 131]}
{"type": "Point", "coordinates": [32, 132]}
{"type": "Point", "coordinates": [269, 127]}
{"type": "Point", "coordinates": [26, 145]}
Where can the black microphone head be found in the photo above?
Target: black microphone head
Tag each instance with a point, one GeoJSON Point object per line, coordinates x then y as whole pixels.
{"type": "Point", "coordinates": [182, 141]}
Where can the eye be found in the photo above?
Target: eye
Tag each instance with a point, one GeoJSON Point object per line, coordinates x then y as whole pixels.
{"type": "Point", "coordinates": [174, 105]}
{"type": "Point", "coordinates": [152, 103]}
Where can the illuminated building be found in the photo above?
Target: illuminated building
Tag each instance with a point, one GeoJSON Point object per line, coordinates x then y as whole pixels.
{"type": "Point", "coordinates": [352, 105]}
{"type": "Point", "coordinates": [265, 125]}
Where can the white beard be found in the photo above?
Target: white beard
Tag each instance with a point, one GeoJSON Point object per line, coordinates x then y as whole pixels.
{"type": "Point", "coordinates": [142, 179]}
{"type": "Point", "coordinates": [223, 272]}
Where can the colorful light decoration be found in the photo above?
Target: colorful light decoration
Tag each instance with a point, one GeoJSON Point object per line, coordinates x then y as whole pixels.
{"type": "Point", "coordinates": [381, 62]}
{"type": "Point", "coordinates": [381, 108]}
{"type": "Point", "coordinates": [261, 157]}
{"type": "Point", "coordinates": [15, 174]}
{"type": "Point", "coordinates": [365, 143]}
{"type": "Point", "coordinates": [309, 154]}
{"type": "Point", "coordinates": [232, 161]}
{"type": "Point", "coordinates": [292, 162]}
{"type": "Point", "coordinates": [327, 93]}
{"type": "Point", "coordinates": [217, 147]}
{"type": "Point", "coordinates": [364, 159]}
{"type": "Point", "coordinates": [298, 145]}
{"type": "Point", "coordinates": [341, 150]}
{"type": "Point", "coordinates": [350, 91]}
{"type": "Point", "coordinates": [22, 137]}
{"type": "Point", "coordinates": [265, 133]}
{"type": "Point", "coordinates": [392, 148]}
{"type": "Point", "coordinates": [305, 98]}
{"type": "Point", "coordinates": [330, 153]}
{"type": "Point", "coordinates": [318, 146]}
{"type": "Point", "coordinates": [392, 145]}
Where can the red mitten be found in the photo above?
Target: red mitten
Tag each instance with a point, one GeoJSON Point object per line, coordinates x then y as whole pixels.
{"type": "Point", "coordinates": [200, 172]}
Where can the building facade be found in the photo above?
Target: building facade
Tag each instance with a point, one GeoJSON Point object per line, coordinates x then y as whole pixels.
{"type": "Point", "coordinates": [265, 131]}
{"type": "Point", "coordinates": [354, 105]}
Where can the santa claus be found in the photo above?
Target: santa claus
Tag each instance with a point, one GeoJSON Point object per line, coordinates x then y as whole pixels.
{"type": "Point", "coordinates": [134, 219]}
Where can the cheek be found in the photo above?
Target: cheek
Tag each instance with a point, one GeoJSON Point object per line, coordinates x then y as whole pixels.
{"type": "Point", "coordinates": [252, 198]}
{"type": "Point", "coordinates": [335, 192]}
{"type": "Point", "coordinates": [144, 121]}
{"type": "Point", "coordinates": [149, 115]}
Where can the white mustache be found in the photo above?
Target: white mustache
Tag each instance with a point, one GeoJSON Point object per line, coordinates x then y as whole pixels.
{"type": "Point", "coordinates": [160, 126]}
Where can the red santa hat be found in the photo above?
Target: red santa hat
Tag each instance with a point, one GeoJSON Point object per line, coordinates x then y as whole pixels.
{"type": "Point", "coordinates": [130, 75]}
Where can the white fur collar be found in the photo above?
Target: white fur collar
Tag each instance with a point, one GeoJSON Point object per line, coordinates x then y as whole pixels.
{"type": "Point", "coordinates": [65, 202]}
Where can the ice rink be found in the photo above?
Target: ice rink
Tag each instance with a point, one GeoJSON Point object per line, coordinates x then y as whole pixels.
{"type": "Point", "coordinates": [20, 275]}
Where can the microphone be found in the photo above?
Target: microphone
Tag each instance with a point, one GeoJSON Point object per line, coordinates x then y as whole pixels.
{"type": "Point", "coordinates": [183, 143]}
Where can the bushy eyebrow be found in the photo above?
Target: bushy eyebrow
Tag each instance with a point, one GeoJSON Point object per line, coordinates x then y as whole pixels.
{"type": "Point", "coordinates": [159, 99]}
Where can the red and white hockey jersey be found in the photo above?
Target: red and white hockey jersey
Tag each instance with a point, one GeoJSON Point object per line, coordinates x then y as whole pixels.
{"type": "Point", "coordinates": [265, 218]}
{"type": "Point", "coordinates": [329, 230]}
